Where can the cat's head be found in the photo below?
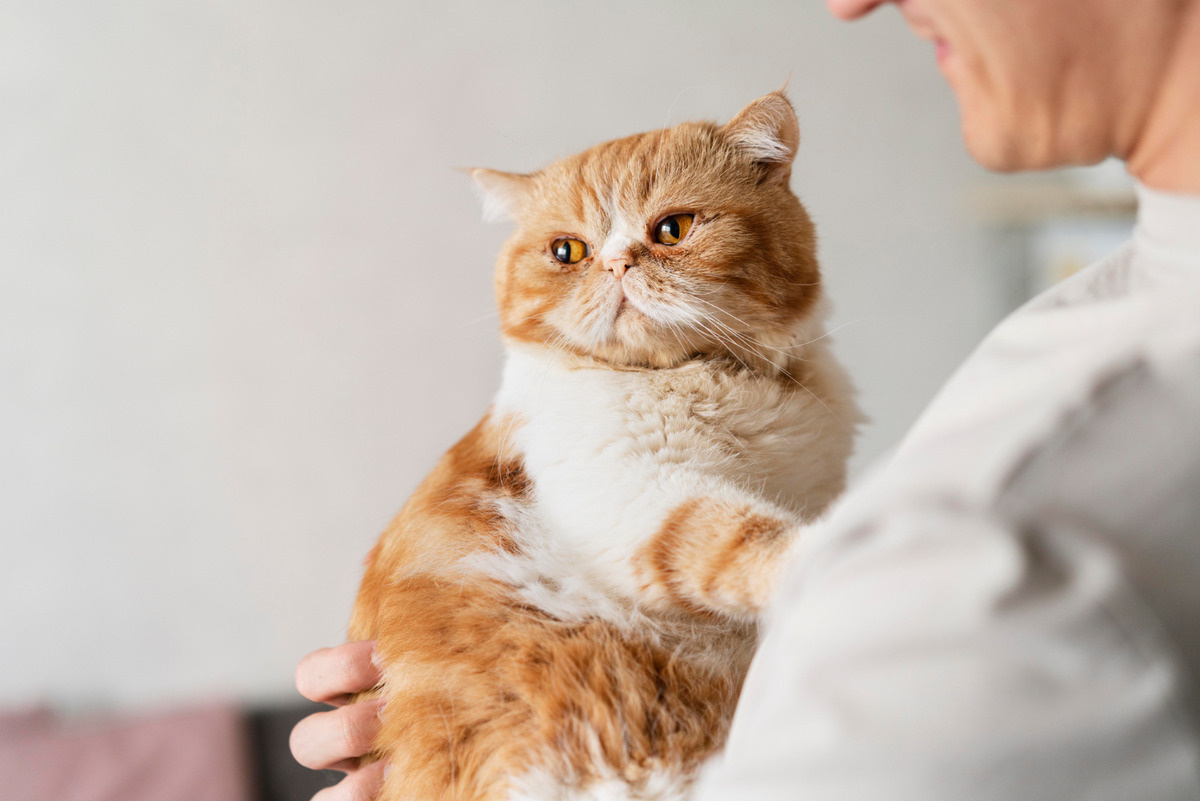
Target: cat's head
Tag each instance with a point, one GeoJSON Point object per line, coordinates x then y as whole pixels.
{"type": "Point", "coordinates": [665, 245]}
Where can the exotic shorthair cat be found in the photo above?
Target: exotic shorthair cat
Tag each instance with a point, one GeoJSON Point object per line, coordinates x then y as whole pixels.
{"type": "Point", "coordinates": [567, 606]}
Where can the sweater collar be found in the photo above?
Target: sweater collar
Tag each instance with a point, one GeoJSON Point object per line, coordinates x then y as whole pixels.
{"type": "Point", "coordinates": [1168, 224]}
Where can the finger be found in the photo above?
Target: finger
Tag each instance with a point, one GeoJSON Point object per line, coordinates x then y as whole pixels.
{"type": "Point", "coordinates": [363, 785]}
{"type": "Point", "coordinates": [331, 674]}
{"type": "Point", "coordinates": [325, 740]}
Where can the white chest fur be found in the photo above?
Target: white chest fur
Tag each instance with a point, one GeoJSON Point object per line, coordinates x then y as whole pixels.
{"type": "Point", "coordinates": [611, 452]}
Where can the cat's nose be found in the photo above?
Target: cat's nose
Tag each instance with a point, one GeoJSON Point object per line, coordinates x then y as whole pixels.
{"type": "Point", "coordinates": [617, 265]}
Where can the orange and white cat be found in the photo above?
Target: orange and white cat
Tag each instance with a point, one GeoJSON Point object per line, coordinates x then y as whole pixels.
{"type": "Point", "coordinates": [566, 607]}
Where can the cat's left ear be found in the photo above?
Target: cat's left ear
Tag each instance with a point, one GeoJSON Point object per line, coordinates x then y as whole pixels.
{"type": "Point", "coordinates": [504, 194]}
{"type": "Point", "coordinates": [767, 131]}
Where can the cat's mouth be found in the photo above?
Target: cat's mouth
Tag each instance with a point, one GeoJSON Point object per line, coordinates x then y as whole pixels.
{"type": "Point", "coordinates": [621, 300]}
{"type": "Point", "coordinates": [626, 307]}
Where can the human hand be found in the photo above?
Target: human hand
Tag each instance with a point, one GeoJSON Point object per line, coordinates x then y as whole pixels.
{"type": "Point", "coordinates": [335, 740]}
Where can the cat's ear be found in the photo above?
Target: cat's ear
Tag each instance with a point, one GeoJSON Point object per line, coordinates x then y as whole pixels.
{"type": "Point", "coordinates": [504, 194]}
{"type": "Point", "coordinates": [767, 130]}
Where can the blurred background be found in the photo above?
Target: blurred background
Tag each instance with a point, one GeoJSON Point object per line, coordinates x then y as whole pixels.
{"type": "Point", "coordinates": [245, 304]}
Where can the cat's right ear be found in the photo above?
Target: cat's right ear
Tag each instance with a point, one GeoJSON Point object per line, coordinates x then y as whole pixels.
{"type": "Point", "coordinates": [504, 194]}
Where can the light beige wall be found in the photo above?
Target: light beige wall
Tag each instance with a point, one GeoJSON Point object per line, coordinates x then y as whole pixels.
{"type": "Point", "coordinates": [245, 301]}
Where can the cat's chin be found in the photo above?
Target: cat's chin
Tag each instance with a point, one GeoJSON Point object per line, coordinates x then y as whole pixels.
{"type": "Point", "coordinates": [645, 353]}
{"type": "Point", "coordinates": [636, 340]}
{"type": "Point", "coordinates": [647, 358]}
{"type": "Point", "coordinates": [616, 353]}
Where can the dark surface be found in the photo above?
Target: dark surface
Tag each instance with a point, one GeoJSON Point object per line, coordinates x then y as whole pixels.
{"type": "Point", "coordinates": [277, 776]}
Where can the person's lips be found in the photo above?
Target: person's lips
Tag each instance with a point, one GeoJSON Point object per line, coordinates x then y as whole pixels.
{"type": "Point", "coordinates": [941, 49]}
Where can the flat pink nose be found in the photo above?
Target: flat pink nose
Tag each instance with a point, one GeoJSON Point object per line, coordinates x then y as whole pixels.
{"type": "Point", "coordinates": [618, 265]}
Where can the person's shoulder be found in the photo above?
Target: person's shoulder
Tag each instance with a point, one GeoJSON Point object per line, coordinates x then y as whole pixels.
{"type": "Point", "coordinates": [1137, 434]}
{"type": "Point", "coordinates": [1102, 280]}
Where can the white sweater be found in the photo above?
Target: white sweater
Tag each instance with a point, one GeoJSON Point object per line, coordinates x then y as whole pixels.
{"type": "Point", "coordinates": [1010, 607]}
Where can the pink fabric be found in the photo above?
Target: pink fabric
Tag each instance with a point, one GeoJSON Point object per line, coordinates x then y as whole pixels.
{"type": "Point", "coordinates": [24, 722]}
{"type": "Point", "coordinates": [196, 755]}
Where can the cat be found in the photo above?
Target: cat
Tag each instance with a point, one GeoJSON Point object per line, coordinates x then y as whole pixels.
{"type": "Point", "coordinates": [567, 606]}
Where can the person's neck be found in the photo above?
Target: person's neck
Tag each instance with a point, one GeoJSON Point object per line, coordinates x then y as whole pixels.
{"type": "Point", "coordinates": [1166, 156]}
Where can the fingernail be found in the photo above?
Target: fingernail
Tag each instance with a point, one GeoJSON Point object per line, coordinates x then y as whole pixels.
{"type": "Point", "coordinates": [375, 658]}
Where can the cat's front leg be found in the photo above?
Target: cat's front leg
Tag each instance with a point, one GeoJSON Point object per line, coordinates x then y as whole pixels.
{"type": "Point", "coordinates": [718, 554]}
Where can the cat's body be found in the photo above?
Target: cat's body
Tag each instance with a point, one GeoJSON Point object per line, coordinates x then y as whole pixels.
{"type": "Point", "coordinates": [567, 606]}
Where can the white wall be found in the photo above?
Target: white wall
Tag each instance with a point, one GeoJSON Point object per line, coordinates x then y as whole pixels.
{"type": "Point", "coordinates": [244, 300]}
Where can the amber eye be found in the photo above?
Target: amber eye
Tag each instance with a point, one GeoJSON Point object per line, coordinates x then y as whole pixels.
{"type": "Point", "coordinates": [673, 229]}
{"type": "Point", "coordinates": [568, 251]}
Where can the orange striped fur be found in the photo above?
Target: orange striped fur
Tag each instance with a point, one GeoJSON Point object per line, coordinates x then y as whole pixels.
{"type": "Point", "coordinates": [567, 605]}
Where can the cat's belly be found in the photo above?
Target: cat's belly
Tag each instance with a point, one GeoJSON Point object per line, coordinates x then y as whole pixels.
{"type": "Point", "coordinates": [545, 708]}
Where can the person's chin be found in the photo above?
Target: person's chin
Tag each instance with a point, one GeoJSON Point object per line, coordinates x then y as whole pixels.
{"type": "Point", "coordinates": [993, 144]}
{"type": "Point", "coordinates": [992, 156]}
{"type": "Point", "coordinates": [1005, 145]}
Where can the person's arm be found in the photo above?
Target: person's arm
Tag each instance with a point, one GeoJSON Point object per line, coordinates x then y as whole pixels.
{"type": "Point", "coordinates": [1040, 643]}
{"type": "Point", "coordinates": [944, 655]}
{"type": "Point", "coordinates": [335, 740]}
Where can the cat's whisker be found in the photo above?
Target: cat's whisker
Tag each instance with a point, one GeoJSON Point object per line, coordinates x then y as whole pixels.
{"type": "Point", "coordinates": [832, 331]}
{"type": "Point", "coordinates": [845, 426]}
{"type": "Point", "coordinates": [675, 332]}
{"type": "Point", "coordinates": [476, 320]}
{"type": "Point", "coordinates": [747, 343]}
{"type": "Point", "coordinates": [724, 311]}
{"type": "Point", "coordinates": [729, 346]}
{"type": "Point", "coordinates": [783, 350]}
{"type": "Point", "coordinates": [783, 370]}
{"type": "Point", "coordinates": [746, 336]}
{"type": "Point", "coordinates": [798, 383]}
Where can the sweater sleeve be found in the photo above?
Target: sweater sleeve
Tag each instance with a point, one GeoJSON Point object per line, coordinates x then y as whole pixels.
{"type": "Point", "coordinates": [1034, 646]}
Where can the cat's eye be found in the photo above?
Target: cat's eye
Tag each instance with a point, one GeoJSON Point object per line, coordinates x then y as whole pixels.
{"type": "Point", "coordinates": [569, 251]}
{"type": "Point", "coordinates": [672, 230]}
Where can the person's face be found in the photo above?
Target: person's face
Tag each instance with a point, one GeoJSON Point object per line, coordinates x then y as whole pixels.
{"type": "Point", "coordinates": [1036, 81]}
